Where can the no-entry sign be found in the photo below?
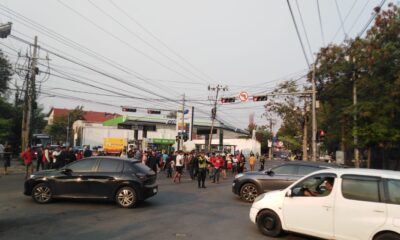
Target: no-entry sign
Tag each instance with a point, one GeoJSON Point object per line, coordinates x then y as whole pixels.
{"type": "Point", "coordinates": [243, 96]}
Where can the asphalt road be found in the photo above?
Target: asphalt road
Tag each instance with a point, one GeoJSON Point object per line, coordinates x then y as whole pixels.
{"type": "Point", "coordinates": [178, 211]}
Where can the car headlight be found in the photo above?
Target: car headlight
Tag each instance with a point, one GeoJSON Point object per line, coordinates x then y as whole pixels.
{"type": "Point", "coordinates": [259, 197]}
{"type": "Point", "coordinates": [239, 175]}
{"type": "Point", "coordinates": [32, 176]}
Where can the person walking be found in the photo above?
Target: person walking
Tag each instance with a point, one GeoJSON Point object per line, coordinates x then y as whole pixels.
{"type": "Point", "coordinates": [46, 157]}
{"type": "Point", "coordinates": [39, 159]}
{"type": "Point", "coordinates": [190, 164]}
{"type": "Point", "coordinates": [179, 166]}
{"type": "Point", "coordinates": [70, 156]}
{"type": "Point", "coordinates": [218, 163]}
{"type": "Point", "coordinates": [27, 156]}
{"type": "Point", "coordinates": [61, 158]}
{"type": "Point", "coordinates": [252, 161]}
{"type": "Point", "coordinates": [87, 152]}
{"type": "Point", "coordinates": [7, 157]}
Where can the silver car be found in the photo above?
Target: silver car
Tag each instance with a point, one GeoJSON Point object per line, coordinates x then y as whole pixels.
{"type": "Point", "coordinates": [249, 185]}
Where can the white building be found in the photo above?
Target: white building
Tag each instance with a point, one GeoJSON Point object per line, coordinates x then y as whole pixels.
{"type": "Point", "coordinates": [160, 132]}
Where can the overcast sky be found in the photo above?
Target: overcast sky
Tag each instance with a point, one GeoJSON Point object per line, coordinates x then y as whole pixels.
{"type": "Point", "coordinates": [149, 53]}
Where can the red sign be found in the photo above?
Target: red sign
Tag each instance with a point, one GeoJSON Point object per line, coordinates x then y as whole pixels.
{"type": "Point", "coordinates": [243, 96]}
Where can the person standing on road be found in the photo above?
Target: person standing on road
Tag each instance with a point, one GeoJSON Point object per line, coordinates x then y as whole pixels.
{"type": "Point", "coordinates": [27, 155]}
{"type": "Point", "coordinates": [70, 156]}
{"type": "Point", "coordinates": [200, 165]}
{"type": "Point", "coordinates": [55, 155]}
{"type": "Point", "coordinates": [87, 152]}
{"type": "Point", "coordinates": [1, 151]}
{"type": "Point", "coordinates": [61, 158]}
{"type": "Point", "coordinates": [179, 166]}
{"type": "Point", "coordinates": [252, 162]}
{"type": "Point", "coordinates": [190, 165]}
{"type": "Point", "coordinates": [218, 163]}
{"type": "Point", "coordinates": [46, 157]}
{"type": "Point", "coordinates": [39, 159]}
{"type": "Point", "coordinates": [7, 157]}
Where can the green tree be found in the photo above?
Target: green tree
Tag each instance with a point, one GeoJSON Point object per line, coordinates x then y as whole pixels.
{"type": "Point", "coordinates": [372, 65]}
{"type": "Point", "coordinates": [6, 109]}
{"type": "Point", "coordinates": [291, 130]}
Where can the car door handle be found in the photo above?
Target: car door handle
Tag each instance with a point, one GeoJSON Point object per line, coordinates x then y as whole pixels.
{"type": "Point", "coordinates": [326, 206]}
{"type": "Point", "coordinates": [379, 211]}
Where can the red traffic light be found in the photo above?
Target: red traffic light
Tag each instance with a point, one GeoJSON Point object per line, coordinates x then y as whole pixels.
{"type": "Point", "coordinates": [260, 98]}
{"type": "Point", "coordinates": [228, 100]}
{"type": "Point", "coordinates": [321, 133]}
{"type": "Point", "coordinates": [125, 109]}
{"type": "Point", "coordinates": [150, 111]}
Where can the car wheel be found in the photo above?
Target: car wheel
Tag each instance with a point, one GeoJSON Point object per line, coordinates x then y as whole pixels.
{"type": "Point", "coordinates": [41, 193]}
{"type": "Point", "coordinates": [269, 223]}
{"type": "Point", "coordinates": [248, 192]}
{"type": "Point", "coordinates": [387, 236]}
{"type": "Point", "coordinates": [126, 197]}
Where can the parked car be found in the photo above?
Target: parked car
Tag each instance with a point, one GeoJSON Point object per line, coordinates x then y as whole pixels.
{"type": "Point", "coordinates": [251, 184]}
{"type": "Point", "coordinates": [361, 204]}
{"type": "Point", "coordinates": [113, 178]}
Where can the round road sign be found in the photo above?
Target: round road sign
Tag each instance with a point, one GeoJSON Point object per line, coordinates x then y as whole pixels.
{"type": "Point", "coordinates": [243, 96]}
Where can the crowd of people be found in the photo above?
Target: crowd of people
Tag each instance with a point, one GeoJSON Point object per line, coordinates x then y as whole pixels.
{"type": "Point", "coordinates": [198, 165]}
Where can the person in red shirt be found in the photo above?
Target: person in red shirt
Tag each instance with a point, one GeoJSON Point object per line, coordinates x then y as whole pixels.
{"type": "Point", "coordinates": [27, 155]}
{"type": "Point", "coordinates": [218, 163]}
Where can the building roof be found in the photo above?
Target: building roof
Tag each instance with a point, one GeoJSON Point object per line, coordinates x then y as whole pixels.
{"type": "Point", "coordinates": [147, 120]}
{"type": "Point", "coordinates": [89, 116]}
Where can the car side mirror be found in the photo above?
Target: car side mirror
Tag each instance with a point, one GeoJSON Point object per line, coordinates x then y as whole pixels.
{"type": "Point", "coordinates": [289, 193]}
{"type": "Point", "coordinates": [270, 172]}
{"type": "Point", "coordinates": [66, 171]}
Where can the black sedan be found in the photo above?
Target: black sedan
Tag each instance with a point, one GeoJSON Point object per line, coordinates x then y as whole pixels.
{"type": "Point", "coordinates": [112, 178]}
{"type": "Point", "coordinates": [251, 184]}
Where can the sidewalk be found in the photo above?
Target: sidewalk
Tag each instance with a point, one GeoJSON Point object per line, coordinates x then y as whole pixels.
{"type": "Point", "coordinates": [16, 167]}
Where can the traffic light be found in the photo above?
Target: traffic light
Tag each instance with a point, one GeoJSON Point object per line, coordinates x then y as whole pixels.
{"type": "Point", "coordinates": [127, 109]}
{"type": "Point", "coordinates": [227, 100]}
{"type": "Point", "coordinates": [260, 98]}
{"type": "Point", "coordinates": [321, 135]}
{"type": "Point", "coordinates": [5, 30]}
{"type": "Point", "coordinates": [213, 113]}
{"type": "Point", "coordinates": [150, 111]}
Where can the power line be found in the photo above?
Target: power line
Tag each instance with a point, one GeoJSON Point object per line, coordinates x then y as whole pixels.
{"type": "Point", "coordinates": [370, 20]}
{"type": "Point", "coordinates": [298, 34]}
{"type": "Point", "coordinates": [344, 21]}
{"type": "Point", "coordinates": [122, 41]}
{"type": "Point", "coordinates": [320, 23]}
{"type": "Point", "coordinates": [143, 40]}
{"type": "Point", "coordinates": [159, 40]}
{"type": "Point", "coordinates": [305, 31]}
{"type": "Point", "coordinates": [359, 15]}
{"type": "Point", "coordinates": [76, 46]}
{"type": "Point", "coordinates": [341, 19]}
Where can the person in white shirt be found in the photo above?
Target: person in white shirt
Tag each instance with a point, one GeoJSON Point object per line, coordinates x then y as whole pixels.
{"type": "Point", "coordinates": [179, 166]}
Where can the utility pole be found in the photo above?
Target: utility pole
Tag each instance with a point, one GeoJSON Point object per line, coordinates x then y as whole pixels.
{"type": "Point", "coordinates": [214, 110]}
{"type": "Point", "coordinates": [67, 141]}
{"type": "Point", "coordinates": [272, 140]}
{"type": "Point", "coordinates": [28, 101]}
{"type": "Point", "coordinates": [356, 153]}
{"type": "Point", "coordinates": [182, 122]}
{"type": "Point", "coordinates": [305, 133]}
{"type": "Point", "coordinates": [314, 118]}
